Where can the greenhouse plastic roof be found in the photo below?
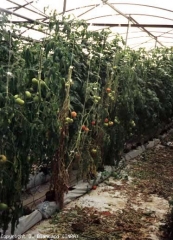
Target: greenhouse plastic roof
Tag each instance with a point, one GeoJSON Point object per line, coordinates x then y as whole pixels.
{"type": "Point", "coordinates": [146, 23]}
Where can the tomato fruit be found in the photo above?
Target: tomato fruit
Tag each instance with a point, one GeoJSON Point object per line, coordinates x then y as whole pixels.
{"type": "Point", "coordinates": [36, 99]}
{"type": "Point", "coordinates": [73, 114]}
{"type": "Point", "coordinates": [3, 158]}
{"type": "Point", "coordinates": [27, 94]}
{"type": "Point", "coordinates": [35, 81]}
{"type": "Point", "coordinates": [116, 120]}
{"type": "Point", "coordinates": [16, 96]}
{"type": "Point", "coordinates": [133, 123]}
{"type": "Point", "coordinates": [108, 90]}
{"type": "Point", "coordinates": [110, 123]}
{"type": "Point", "coordinates": [94, 150]}
{"type": "Point", "coordinates": [69, 120]}
{"type": "Point", "coordinates": [19, 101]}
{"type": "Point", "coordinates": [43, 84]}
{"type": "Point", "coordinates": [106, 120]}
{"type": "Point", "coordinates": [94, 187]}
{"type": "Point", "coordinates": [3, 206]}
{"type": "Point", "coordinates": [93, 123]}
{"type": "Point", "coordinates": [86, 129]}
{"type": "Point", "coordinates": [83, 127]}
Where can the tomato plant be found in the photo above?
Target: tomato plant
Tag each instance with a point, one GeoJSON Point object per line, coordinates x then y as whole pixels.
{"type": "Point", "coordinates": [75, 95]}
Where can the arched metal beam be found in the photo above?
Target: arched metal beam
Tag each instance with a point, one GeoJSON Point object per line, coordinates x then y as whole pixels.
{"type": "Point", "coordinates": [137, 45]}
{"type": "Point", "coordinates": [92, 6]}
{"type": "Point", "coordinates": [21, 16]}
{"type": "Point", "coordinates": [137, 25]}
{"type": "Point", "coordinates": [131, 14]}
{"type": "Point", "coordinates": [150, 31]}
{"type": "Point", "coordinates": [25, 7]}
{"type": "Point", "coordinates": [132, 37]}
{"type": "Point", "coordinates": [96, 5]}
{"type": "Point", "coordinates": [131, 20]}
{"type": "Point", "coordinates": [89, 10]}
{"type": "Point", "coordinates": [144, 5]}
{"type": "Point", "coordinates": [87, 6]}
{"type": "Point", "coordinates": [19, 6]}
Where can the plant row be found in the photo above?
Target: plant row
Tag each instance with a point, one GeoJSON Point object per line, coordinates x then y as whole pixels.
{"type": "Point", "coordinates": [73, 100]}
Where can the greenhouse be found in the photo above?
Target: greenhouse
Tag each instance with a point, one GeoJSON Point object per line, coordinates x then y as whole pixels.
{"type": "Point", "coordinates": [86, 119]}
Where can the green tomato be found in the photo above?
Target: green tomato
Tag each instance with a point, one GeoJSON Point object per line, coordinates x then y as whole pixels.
{"type": "Point", "coordinates": [36, 99]}
{"type": "Point", "coordinates": [116, 120]}
{"type": "Point", "coordinates": [110, 123]}
{"type": "Point", "coordinates": [35, 80]}
{"type": "Point", "coordinates": [3, 158]}
{"type": "Point", "coordinates": [27, 94]}
{"type": "Point", "coordinates": [16, 96]}
{"type": "Point", "coordinates": [98, 98]}
{"type": "Point", "coordinates": [43, 84]}
{"type": "Point", "coordinates": [3, 206]}
{"type": "Point", "coordinates": [133, 123]}
{"type": "Point", "coordinates": [19, 101]}
{"type": "Point", "coordinates": [94, 150]}
{"type": "Point", "coordinates": [69, 120]}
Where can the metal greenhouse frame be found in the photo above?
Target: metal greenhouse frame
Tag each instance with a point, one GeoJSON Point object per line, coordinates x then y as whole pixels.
{"type": "Point", "coordinates": [159, 33]}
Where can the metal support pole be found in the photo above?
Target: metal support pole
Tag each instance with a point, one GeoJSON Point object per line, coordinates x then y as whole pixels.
{"type": "Point", "coordinates": [64, 6]}
{"type": "Point", "coordinates": [127, 32]}
{"type": "Point", "coordinates": [130, 18]}
{"type": "Point", "coordinates": [21, 16]}
{"type": "Point", "coordinates": [155, 43]}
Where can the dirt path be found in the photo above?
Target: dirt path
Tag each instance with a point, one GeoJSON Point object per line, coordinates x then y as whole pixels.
{"type": "Point", "coordinates": [129, 206]}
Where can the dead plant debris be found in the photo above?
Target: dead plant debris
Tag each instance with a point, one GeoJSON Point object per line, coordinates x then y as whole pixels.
{"type": "Point", "coordinates": [89, 223]}
{"type": "Point", "coordinates": [151, 175]}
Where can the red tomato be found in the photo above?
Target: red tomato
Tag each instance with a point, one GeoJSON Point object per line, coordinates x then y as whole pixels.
{"type": "Point", "coordinates": [108, 90]}
{"type": "Point", "coordinates": [73, 114]}
{"type": "Point", "coordinates": [86, 129]}
{"type": "Point", "coordinates": [93, 123]}
{"type": "Point", "coordinates": [106, 120]}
